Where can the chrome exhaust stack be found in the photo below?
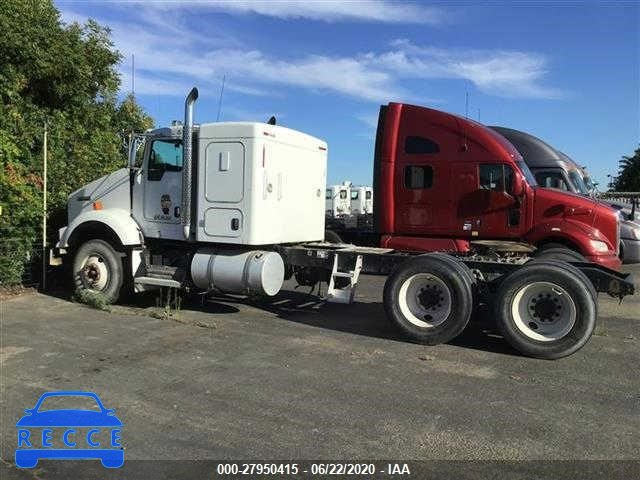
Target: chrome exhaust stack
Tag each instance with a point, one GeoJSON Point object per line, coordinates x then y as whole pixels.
{"type": "Point", "coordinates": [187, 162]}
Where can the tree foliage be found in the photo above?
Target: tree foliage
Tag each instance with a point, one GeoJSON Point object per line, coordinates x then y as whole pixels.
{"type": "Point", "coordinates": [67, 76]}
{"type": "Point", "coordinates": [628, 179]}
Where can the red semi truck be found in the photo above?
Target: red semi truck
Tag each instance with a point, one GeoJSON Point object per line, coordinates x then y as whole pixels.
{"type": "Point", "coordinates": [442, 181]}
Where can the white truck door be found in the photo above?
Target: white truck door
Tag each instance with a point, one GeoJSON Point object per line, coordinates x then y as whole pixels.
{"type": "Point", "coordinates": [158, 190]}
{"type": "Point", "coordinates": [220, 213]}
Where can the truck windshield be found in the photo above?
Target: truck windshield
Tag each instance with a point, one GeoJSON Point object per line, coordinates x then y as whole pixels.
{"type": "Point", "coordinates": [578, 183]}
{"type": "Point", "coordinates": [528, 175]}
{"type": "Point", "coordinates": [589, 183]}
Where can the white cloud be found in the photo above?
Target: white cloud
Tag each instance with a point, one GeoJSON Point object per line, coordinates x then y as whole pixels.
{"type": "Point", "coordinates": [167, 64]}
{"type": "Point", "coordinates": [382, 11]}
{"type": "Point", "coordinates": [504, 73]}
{"type": "Point", "coordinates": [335, 10]}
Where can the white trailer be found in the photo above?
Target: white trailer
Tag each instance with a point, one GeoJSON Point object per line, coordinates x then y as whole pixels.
{"type": "Point", "coordinates": [238, 208]}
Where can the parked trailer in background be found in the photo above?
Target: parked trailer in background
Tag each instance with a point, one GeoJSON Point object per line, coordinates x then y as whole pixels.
{"type": "Point", "coordinates": [238, 208]}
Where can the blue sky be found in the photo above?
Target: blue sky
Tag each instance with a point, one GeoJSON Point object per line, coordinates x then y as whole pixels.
{"type": "Point", "coordinates": [567, 72]}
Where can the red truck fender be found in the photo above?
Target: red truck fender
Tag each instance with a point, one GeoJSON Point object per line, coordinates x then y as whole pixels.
{"type": "Point", "coordinates": [566, 231]}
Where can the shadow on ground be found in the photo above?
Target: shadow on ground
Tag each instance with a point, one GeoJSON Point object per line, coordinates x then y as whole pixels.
{"type": "Point", "coordinates": [359, 318]}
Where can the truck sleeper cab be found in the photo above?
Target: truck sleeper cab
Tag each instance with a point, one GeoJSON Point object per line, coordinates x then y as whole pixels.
{"type": "Point", "coordinates": [442, 181]}
{"type": "Point", "coordinates": [337, 201]}
{"type": "Point", "coordinates": [361, 200]}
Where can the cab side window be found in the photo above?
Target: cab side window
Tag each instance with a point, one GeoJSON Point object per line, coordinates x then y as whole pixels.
{"type": "Point", "coordinates": [164, 156]}
{"type": "Point", "coordinates": [498, 177]}
{"type": "Point", "coordinates": [343, 194]}
{"type": "Point", "coordinates": [552, 180]}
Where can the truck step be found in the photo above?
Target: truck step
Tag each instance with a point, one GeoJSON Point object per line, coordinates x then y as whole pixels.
{"type": "Point", "coordinates": [160, 282]}
{"type": "Point", "coordinates": [343, 274]}
{"type": "Point", "coordinates": [346, 293]}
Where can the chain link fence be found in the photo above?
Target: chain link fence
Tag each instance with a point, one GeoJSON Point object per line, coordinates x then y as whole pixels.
{"type": "Point", "coordinates": [622, 197]}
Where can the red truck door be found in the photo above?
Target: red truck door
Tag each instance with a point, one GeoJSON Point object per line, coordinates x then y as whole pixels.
{"type": "Point", "coordinates": [487, 206]}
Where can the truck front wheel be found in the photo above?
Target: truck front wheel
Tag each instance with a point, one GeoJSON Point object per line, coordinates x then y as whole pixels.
{"type": "Point", "coordinates": [545, 310]}
{"type": "Point", "coordinates": [98, 267]}
{"type": "Point", "coordinates": [429, 298]}
{"type": "Point", "coordinates": [557, 251]}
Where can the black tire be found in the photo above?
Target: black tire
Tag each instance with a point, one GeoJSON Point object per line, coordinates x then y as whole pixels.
{"type": "Point", "coordinates": [403, 304]}
{"type": "Point", "coordinates": [575, 270]}
{"type": "Point", "coordinates": [460, 266]}
{"type": "Point", "coordinates": [107, 263]}
{"type": "Point", "coordinates": [576, 315]}
{"type": "Point", "coordinates": [332, 237]}
{"type": "Point", "coordinates": [559, 252]}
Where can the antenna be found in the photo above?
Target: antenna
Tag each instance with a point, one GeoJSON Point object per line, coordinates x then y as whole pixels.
{"type": "Point", "coordinates": [466, 104]}
{"type": "Point", "coordinates": [224, 77]}
{"type": "Point", "coordinates": [479, 116]}
{"type": "Point", "coordinates": [465, 147]}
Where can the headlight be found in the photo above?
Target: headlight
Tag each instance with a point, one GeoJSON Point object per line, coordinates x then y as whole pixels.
{"type": "Point", "coordinates": [599, 246]}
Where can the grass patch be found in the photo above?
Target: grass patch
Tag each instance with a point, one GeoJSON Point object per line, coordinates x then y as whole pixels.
{"type": "Point", "coordinates": [92, 299]}
{"type": "Point", "coordinates": [168, 304]}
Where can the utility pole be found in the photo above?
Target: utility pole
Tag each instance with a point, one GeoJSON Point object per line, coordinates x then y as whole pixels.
{"type": "Point", "coordinates": [44, 207]}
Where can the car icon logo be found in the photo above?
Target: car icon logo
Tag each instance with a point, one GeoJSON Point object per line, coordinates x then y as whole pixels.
{"type": "Point", "coordinates": [69, 433]}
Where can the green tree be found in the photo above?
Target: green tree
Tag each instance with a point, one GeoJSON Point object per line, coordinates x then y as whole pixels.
{"type": "Point", "coordinates": [66, 75]}
{"type": "Point", "coordinates": [628, 179]}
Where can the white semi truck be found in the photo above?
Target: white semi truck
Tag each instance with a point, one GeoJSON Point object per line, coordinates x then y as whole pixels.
{"type": "Point", "coordinates": [239, 208]}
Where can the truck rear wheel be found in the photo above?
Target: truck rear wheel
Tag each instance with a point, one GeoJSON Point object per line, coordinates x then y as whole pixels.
{"type": "Point", "coordinates": [545, 310]}
{"type": "Point", "coordinates": [429, 298]}
{"type": "Point", "coordinates": [98, 267]}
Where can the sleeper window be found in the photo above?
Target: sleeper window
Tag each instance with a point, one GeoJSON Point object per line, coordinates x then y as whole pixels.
{"type": "Point", "coordinates": [418, 176]}
{"type": "Point", "coordinates": [415, 145]}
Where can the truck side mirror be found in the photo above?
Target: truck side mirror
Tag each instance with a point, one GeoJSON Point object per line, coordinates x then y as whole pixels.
{"type": "Point", "coordinates": [134, 145]}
